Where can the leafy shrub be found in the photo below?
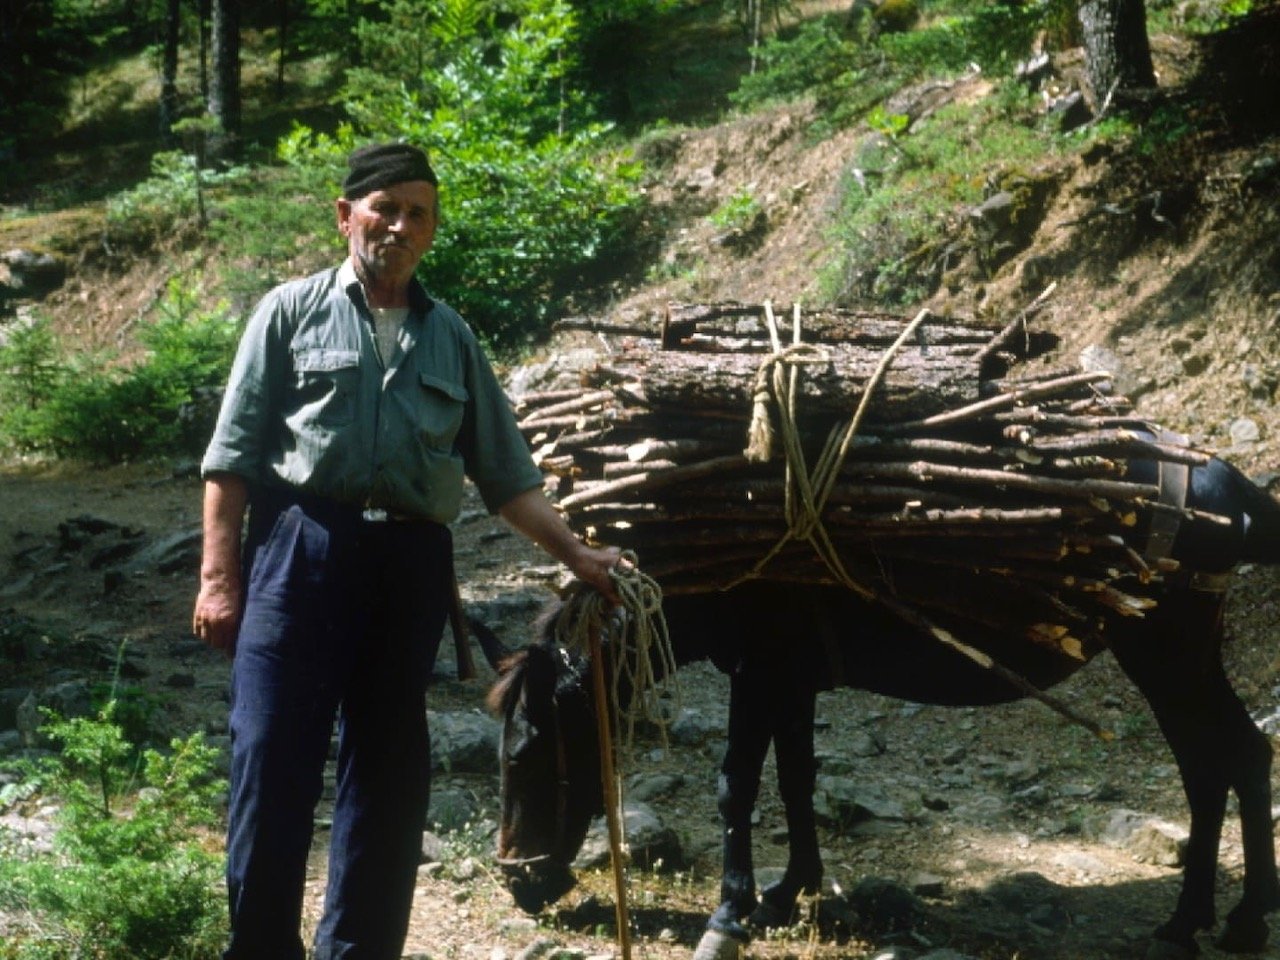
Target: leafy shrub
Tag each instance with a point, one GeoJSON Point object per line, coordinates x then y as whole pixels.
{"type": "Point", "coordinates": [848, 76]}
{"type": "Point", "coordinates": [31, 372]}
{"type": "Point", "coordinates": [131, 873]}
{"type": "Point", "coordinates": [172, 198]}
{"type": "Point", "coordinates": [818, 55]}
{"type": "Point", "coordinates": [82, 406]}
{"type": "Point", "coordinates": [738, 212]}
{"type": "Point", "coordinates": [532, 197]}
{"type": "Point", "coordinates": [277, 223]}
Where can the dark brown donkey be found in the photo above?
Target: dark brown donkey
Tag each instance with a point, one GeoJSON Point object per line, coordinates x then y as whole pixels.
{"type": "Point", "coordinates": [780, 645]}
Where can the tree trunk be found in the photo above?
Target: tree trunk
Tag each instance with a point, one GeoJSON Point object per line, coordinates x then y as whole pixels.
{"type": "Point", "coordinates": [203, 18]}
{"type": "Point", "coordinates": [224, 90]}
{"type": "Point", "coordinates": [1117, 54]}
{"type": "Point", "coordinates": [169, 70]}
{"type": "Point", "coordinates": [283, 7]}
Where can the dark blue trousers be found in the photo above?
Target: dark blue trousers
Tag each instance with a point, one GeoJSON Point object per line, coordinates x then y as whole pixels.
{"type": "Point", "coordinates": [342, 620]}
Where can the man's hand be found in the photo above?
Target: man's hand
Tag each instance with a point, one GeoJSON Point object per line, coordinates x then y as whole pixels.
{"type": "Point", "coordinates": [217, 613]}
{"type": "Point", "coordinates": [592, 566]}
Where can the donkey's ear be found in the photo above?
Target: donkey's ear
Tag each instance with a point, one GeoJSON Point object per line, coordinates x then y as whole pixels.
{"type": "Point", "coordinates": [507, 688]}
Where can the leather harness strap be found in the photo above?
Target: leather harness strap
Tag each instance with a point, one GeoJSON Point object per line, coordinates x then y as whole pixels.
{"type": "Point", "coordinates": [1174, 481]}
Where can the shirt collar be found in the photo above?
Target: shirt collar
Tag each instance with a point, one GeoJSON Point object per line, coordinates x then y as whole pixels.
{"type": "Point", "coordinates": [419, 300]}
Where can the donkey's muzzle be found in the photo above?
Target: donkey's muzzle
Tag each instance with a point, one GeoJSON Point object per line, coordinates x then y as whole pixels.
{"type": "Point", "coordinates": [535, 884]}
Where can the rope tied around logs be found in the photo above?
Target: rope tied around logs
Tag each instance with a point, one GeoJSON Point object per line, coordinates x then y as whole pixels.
{"type": "Point", "coordinates": [643, 661]}
{"type": "Point", "coordinates": [806, 492]}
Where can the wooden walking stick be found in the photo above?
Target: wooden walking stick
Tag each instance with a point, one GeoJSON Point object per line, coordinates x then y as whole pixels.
{"type": "Point", "coordinates": [458, 625]}
{"type": "Point", "coordinates": [607, 777]}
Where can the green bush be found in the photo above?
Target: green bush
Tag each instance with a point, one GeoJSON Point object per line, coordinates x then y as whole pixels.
{"type": "Point", "coordinates": [131, 873]}
{"type": "Point", "coordinates": [277, 223]}
{"type": "Point", "coordinates": [532, 197]}
{"type": "Point", "coordinates": [172, 199]}
{"type": "Point", "coordinates": [76, 405]}
{"type": "Point", "coordinates": [738, 212]}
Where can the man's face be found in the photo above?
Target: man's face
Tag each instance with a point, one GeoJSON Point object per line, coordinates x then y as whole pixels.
{"type": "Point", "coordinates": [388, 231]}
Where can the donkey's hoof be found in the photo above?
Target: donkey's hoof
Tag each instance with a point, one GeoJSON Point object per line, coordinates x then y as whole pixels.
{"type": "Point", "coordinates": [1243, 936]}
{"type": "Point", "coordinates": [717, 945]}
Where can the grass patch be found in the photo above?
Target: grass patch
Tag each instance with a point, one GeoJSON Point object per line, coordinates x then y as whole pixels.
{"type": "Point", "coordinates": [907, 189]}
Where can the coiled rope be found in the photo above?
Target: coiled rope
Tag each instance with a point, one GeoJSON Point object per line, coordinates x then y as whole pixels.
{"type": "Point", "coordinates": [643, 662]}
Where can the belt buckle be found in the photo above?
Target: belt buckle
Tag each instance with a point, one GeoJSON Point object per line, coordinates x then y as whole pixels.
{"type": "Point", "coordinates": [373, 515]}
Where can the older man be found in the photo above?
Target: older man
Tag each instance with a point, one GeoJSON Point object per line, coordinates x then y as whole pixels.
{"type": "Point", "coordinates": [356, 405]}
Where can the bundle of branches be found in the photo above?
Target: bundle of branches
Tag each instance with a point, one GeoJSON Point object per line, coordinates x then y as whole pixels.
{"type": "Point", "coordinates": [898, 457]}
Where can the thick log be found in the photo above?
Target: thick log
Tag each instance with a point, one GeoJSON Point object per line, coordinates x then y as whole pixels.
{"type": "Point", "coordinates": [830, 325]}
{"type": "Point", "coordinates": [914, 387]}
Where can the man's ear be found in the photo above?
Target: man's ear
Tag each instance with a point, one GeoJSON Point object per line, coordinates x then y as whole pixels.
{"type": "Point", "coordinates": [344, 214]}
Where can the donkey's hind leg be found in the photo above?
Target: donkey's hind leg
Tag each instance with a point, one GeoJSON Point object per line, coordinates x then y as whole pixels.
{"type": "Point", "coordinates": [1176, 663]}
{"type": "Point", "coordinates": [797, 775]}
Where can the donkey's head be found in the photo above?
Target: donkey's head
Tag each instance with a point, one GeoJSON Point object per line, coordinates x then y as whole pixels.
{"type": "Point", "coordinates": [550, 768]}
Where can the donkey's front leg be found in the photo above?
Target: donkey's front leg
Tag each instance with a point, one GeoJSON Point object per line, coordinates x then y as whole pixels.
{"type": "Point", "coordinates": [797, 775]}
{"type": "Point", "coordinates": [750, 729]}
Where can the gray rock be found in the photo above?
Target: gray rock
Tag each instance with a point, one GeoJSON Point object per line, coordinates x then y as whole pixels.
{"type": "Point", "coordinates": [885, 905]}
{"type": "Point", "coordinates": [511, 614]}
{"type": "Point", "coordinates": [464, 742]}
{"type": "Point", "coordinates": [1096, 358]}
{"type": "Point", "coordinates": [1048, 918]}
{"type": "Point", "coordinates": [842, 803]}
{"type": "Point", "coordinates": [71, 698]}
{"type": "Point", "coordinates": [928, 885]}
{"type": "Point", "coordinates": [452, 809]}
{"type": "Point", "coordinates": [693, 727]}
{"type": "Point", "coordinates": [1022, 893]}
{"type": "Point", "coordinates": [1159, 842]}
{"type": "Point", "coordinates": [34, 273]}
{"type": "Point", "coordinates": [169, 554]}
{"type": "Point", "coordinates": [10, 699]}
{"type": "Point", "coordinates": [651, 843]}
{"type": "Point", "coordinates": [1244, 430]}
{"type": "Point", "coordinates": [1071, 110]}
{"type": "Point", "coordinates": [433, 848]}
{"type": "Point", "coordinates": [654, 786]}
{"type": "Point", "coordinates": [539, 948]}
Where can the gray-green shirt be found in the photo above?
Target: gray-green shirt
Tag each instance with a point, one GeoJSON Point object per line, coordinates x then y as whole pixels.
{"type": "Point", "coordinates": [310, 404]}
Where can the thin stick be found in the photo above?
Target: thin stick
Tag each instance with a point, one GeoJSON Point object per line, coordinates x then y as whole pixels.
{"type": "Point", "coordinates": [609, 782]}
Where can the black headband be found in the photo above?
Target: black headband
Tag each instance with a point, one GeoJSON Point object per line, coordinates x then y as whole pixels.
{"type": "Point", "coordinates": [381, 165]}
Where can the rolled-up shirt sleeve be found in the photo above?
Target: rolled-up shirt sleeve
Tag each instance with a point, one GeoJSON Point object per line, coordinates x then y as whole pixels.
{"type": "Point", "coordinates": [496, 455]}
{"type": "Point", "coordinates": [239, 443]}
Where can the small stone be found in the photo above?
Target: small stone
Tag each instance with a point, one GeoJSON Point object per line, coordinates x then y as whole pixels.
{"type": "Point", "coordinates": [1244, 430]}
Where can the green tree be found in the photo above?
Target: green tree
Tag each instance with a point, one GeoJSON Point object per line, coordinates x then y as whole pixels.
{"type": "Point", "coordinates": [531, 196]}
{"type": "Point", "coordinates": [131, 875]}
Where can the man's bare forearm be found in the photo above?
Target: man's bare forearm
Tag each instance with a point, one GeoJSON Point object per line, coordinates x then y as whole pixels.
{"type": "Point", "coordinates": [217, 608]}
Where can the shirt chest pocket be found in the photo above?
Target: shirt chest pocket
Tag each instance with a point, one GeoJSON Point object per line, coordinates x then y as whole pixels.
{"type": "Point", "coordinates": [327, 383]}
{"type": "Point", "coordinates": [440, 411]}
